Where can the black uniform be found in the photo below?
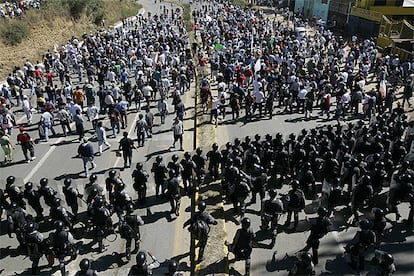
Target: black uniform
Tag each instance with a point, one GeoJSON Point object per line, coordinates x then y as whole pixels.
{"type": "Point", "coordinates": [140, 183]}
{"type": "Point", "coordinates": [160, 177]}
{"type": "Point", "coordinates": [129, 229]}
{"type": "Point", "coordinates": [33, 198]}
{"type": "Point", "coordinates": [35, 248]}
{"type": "Point", "coordinates": [319, 229]}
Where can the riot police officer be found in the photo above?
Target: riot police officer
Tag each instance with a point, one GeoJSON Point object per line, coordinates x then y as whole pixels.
{"type": "Point", "coordinates": [140, 177]}
{"type": "Point", "coordinates": [35, 245]}
{"type": "Point", "coordinates": [160, 175]}
{"type": "Point", "coordinates": [362, 240]}
{"type": "Point", "coordinates": [101, 219]}
{"type": "Point", "coordinates": [143, 267]}
{"type": "Point", "coordinates": [319, 228]}
{"type": "Point", "coordinates": [63, 244]}
{"type": "Point", "coordinates": [33, 198]}
{"type": "Point", "coordinates": [71, 197]}
{"type": "Point", "coordinates": [16, 220]}
{"type": "Point", "coordinates": [200, 227]}
{"type": "Point", "coordinates": [14, 193]}
{"type": "Point", "coordinates": [93, 185]}
{"type": "Point", "coordinates": [120, 199]}
{"type": "Point", "coordinates": [200, 162]}
{"type": "Point", "coordinates": [48, 193]}
{"type": "Point", "coordinates": [173, 192]}
{"type": "Point", "coordinates": [129, 229]}
{"type": "Point", "coordinates": [112, 181]}
{"type": "Point", "coordinates": [58, 212]}
{"type": "Point", "coordinates": [362, 195]}
{"type": "Point", "coordinates": [272, 208]}
{"type": "Point", "coordinates": [214, 157]}
{"type": "Point", "coordinates": [303, 266]}
{"type": "Point", "coordinates": [188, 166]}
{"type": "Point", "coordinates": [242, 245]}
{"type": "Point", "coordinates": [295, 203]}
{"type": "Point", "coordinates": [85, 269]}
{"type": "Point", "coordinates": [175, 165]}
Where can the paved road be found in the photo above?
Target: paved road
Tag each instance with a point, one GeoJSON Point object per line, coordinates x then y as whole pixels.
{"type": "Point", "coordinates": [162, 235]}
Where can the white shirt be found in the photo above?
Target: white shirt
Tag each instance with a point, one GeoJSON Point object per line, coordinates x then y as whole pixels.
{"type": "Point", "coordinates": [258, 97]}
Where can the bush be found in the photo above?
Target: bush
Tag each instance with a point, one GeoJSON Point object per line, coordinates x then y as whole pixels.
{"type": "Point", "coordinates": [76, 8]}
{"type": "Point", "coordinates": [13, 32]}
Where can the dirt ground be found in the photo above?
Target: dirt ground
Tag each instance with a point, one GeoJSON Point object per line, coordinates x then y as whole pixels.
{"type": "Point", "coordinates": [43, 36]}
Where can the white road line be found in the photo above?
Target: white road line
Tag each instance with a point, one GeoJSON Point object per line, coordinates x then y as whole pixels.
{"type": "Point", "coordinates": [41, 161]}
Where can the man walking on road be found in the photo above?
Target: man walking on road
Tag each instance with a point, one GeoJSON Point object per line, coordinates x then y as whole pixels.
{"type": "Point", "coordinates": [24, 139]}
{"type": "Point", "coordinates": [85, 151]}
{"type": "Point", "coordinates": [178, 131]}
{"type": "Point", "coordinates": [140, 128]}
{"type": "Point", "coordinates": [126, 145]}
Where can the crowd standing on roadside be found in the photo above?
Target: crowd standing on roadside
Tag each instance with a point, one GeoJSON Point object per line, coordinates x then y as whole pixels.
{"type": "Point", "coordinates": [258, 66]}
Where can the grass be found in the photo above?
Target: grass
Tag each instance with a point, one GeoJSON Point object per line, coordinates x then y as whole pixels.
{"type": "Point", "coordinates": [56, 23]}
{"type": "Point", "coordinates": [13, 32]}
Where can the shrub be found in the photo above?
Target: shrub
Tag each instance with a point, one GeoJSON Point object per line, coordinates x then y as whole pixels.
{"type": "Point", "coordinates": [13, 32]}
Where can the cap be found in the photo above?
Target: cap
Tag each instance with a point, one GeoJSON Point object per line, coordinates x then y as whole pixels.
{"type": "Point", "coordinates": [85, 139]}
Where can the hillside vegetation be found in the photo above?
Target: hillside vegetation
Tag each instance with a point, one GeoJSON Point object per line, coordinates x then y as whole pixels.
{"type": "Point", "coordinates": [56, 22]}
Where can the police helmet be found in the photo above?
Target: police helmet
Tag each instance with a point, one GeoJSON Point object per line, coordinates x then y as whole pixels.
{"type": "Point", "coordinates": [120, 186]}
{"type": "Point", "coordinates": [67, 182]}
{"type": "Point", "coordinates": [366, 180]}
{"type": "Point", "coordinates": [93, 178]}
{"type": "Point", "coordinates": [238, 162]}
{"type": "Point", "coordinates": [112, 173]}
{"type": "Point", "coordinates": [322, 211]}
{"type": "Point", "coordinates": [28, 185]}
{"type": "Point", "coordinates": [84, 265]}
{"type": "Point", "coordinates": [187, 155]}
{"type": "Point", "coordinates": [171, 173]}
{"type": "Point", "coordinates": [10, 180]}
{"type": "Point", "coordinates": [228, 145]}
{"type": "Point", "coordinates": [174, 157]}
{"type": "Point", "coordinates": [141, 258]}
{"type": "Point", "coordinates": [378, 213]}
{"type": "Point", "coordinates": [199, 150]}
{"type": "Point", "coordinates": [139, 165]}
{"type": "Point", "coordinates": [268, 137]}
{"type": "Point", "coordinates": [247, 139]}
{"type": "Point", "coordinates": [294, 183]}
{"type": "Point", "coordinates": [59, 225]}
{"type": "Point", "coordinates": [44, 181]}
{"type": "Point", "coordinates": [237, 141]}
{"type": "Point", "coordinates": [129, 208]}
{"type": "Point", "coordinates": [172, 267]}
{"type": "Point", "coordinates": [30, 227]}
{"type": "Point", "coordinates": [306, 257]}
{"type": "Point", "coordinates": [272, 193]}
{"type": "Point", "coordinates": [257, 137]}
{"type": "Point", "coordinates": [56, 202]}
{"type": "Point", "coordinates": [215, 146]}
{"type": "Point", "coordinates": [364, 224]}
{"type": "Point", "coordinates": [245, 223]}
{"type": "Point", "coordinates": [158, 158]}
{"type": "Point", "coordinates": [94, 191]}
{"type": "Point", "coordinates": [99, 201]}
{"type": "Point", "coordinates": [202, 205]}
{"type": "Point", "coordinates": [13, 205]}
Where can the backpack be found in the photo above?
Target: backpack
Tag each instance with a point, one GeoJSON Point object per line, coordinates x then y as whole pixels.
{"type": "Point", "coordinates": [199, 229]}
{"type": "Point", "coordinates": [125, 230]}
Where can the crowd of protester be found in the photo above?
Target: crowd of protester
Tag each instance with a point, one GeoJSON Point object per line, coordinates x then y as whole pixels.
{"type": "Point", "coordinates": [16, 9]}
